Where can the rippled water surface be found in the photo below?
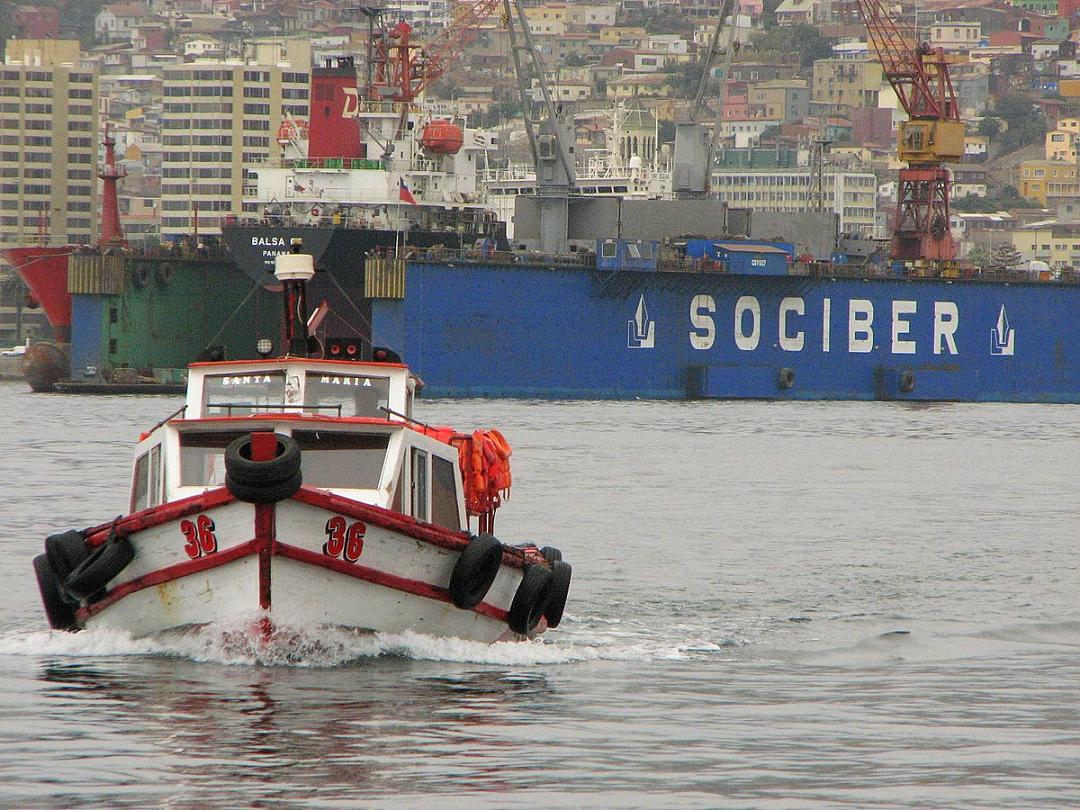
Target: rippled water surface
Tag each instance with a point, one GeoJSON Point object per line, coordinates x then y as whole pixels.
{"type": "Point", "coordinates": [774, 604]}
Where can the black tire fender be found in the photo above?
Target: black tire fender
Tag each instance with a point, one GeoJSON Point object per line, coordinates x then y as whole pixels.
{"type": "Point", "coordinates": [531, 599]}
{"type": "Point", "coordinates": [103, 564]}
{"type": "Point", "coordinates": [247, 473]}
{"type": "Point", "coordinates": [264, 493]}
{"type": "Point", "coordinates": [475, 570]}
{"type": "Point", "coordinates": [907, 381]}
{"type": "Point", "coordinates": [59, 611]}
{"type": "Point", "coordinates": [560, 587]}
{"type": "Point", "coordinates": [163, 274]}
{"type": "Point", "coordinates": [66, 552]}
{"type": "Point", "coordinates": [140, 275]}
{"type": "Point", "coordinates": [550, 553]}
{"type": "Point", "coordinates": [785, 378]}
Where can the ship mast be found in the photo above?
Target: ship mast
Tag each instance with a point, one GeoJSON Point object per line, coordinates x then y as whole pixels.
{"type": "Point", "coordinates": [112, 234]}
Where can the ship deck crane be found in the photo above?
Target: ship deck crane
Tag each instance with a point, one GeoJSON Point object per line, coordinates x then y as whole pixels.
{"type": "Point", "coordinates": [551, 139]}
{"type": "Point", "coordinates": [932, 136]}
{"type": "Point", "coordinates": [694, 147]}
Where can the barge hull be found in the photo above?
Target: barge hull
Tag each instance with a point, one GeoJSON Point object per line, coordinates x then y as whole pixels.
{"type": "Point", "coordinates": [513, 330]}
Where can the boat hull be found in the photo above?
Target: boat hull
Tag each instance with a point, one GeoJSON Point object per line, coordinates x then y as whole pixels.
{"type": "Point", "coordinates": [44, 271]}
{"type": "Point", "coordinates": [212, 559]}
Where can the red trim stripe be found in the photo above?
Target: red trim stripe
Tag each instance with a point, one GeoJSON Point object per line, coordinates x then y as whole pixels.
{"type": "Point", "coordinates": [168, 574]}
{"type": "Point", "coordinates": [261, 547]}
{"type": "Point", "coordinates": [158, 515]}
{"type": "Point", "coordinates": [363, 572]}
{"type": "Point", "coordinates": [281, 362]}
{"type": "Point", "coordinates": [265, 536]}
{"type": "Point", "coordinates": [403, 524]}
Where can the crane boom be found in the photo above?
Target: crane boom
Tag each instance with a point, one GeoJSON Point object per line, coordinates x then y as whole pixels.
{"type": "Point", "coordinates": [404, 69]}
{"type": "Point", "coordinates": [917, 72]}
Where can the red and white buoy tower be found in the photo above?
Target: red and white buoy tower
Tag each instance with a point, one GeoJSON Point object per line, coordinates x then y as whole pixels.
{"type": "Point", "coordinates": [112, 235]}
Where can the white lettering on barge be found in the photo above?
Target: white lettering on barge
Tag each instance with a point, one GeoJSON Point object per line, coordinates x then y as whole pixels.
{"type": "Point", "coordinates": [791, 325]}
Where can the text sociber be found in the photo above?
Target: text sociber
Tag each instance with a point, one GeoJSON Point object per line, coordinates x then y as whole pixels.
{"type": "Point", "coordinates": [792, 314]}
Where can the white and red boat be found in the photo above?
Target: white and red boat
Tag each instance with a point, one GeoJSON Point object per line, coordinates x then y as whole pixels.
{"type": "Point", "coordinates": [300, 491]}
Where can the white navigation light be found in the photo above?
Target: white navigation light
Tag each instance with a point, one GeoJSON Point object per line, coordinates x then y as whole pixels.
{"type": "Point", "coordinates": [264, 346]}
{"type": "Point", "coordinates": [294, 267]}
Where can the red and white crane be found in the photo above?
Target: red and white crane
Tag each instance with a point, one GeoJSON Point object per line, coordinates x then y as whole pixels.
{"type": "Point", "coordinates": [932, 136]}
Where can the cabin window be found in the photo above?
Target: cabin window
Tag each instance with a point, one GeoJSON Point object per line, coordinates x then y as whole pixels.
{"type": "Point", "coordinates": [347, 395]}
{"type": "Point", "coordinates": [140, 487]}
{"type": "Point", "coordinates": [419, 485]}
{"type": "Point", "coordinates": [154, 489]}
{"type": "Point", "coordinates": [608, 250]}
{"type": "Point", "coordinates": [341, 460]}
{"type": "Point", "coordinates": [241, 394]}
{"type": "Point", "coordinates": [202, 457]}
{"type": "Point", "coordinates": [444, 503]}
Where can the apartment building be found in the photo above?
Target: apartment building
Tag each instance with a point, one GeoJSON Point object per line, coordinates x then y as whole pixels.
{"type": "Point", "coordinates": [852, 195]}
{"type": "Point", "coordinates": [220, 120]}
{"type": "Point", "coordinates": [1041, 179]}
{"type": "Point", "coordinates": [49, 137]}
{"type": "Point", "coordinates": [956, 36]}
{"type": "Point", "coordinates": [847, 82]}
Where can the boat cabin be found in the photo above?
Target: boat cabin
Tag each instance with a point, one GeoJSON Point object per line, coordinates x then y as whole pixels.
{"type": "Point", "coordinates": [352, 421]}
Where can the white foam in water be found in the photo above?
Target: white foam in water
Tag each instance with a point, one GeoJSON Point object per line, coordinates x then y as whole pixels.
{"type": "Point", "coordinates": [240, 643]}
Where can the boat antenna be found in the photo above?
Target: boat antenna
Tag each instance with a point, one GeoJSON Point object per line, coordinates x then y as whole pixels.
{"type": "Point", "coordinates": [294, 270]}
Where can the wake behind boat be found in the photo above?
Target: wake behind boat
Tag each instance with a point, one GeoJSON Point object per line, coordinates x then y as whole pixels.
{"type": "Point", "coordinates": [300, 489]}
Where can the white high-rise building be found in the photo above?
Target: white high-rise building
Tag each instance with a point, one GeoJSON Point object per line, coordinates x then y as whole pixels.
{"type": "Point", "coordinates": [852, 195]}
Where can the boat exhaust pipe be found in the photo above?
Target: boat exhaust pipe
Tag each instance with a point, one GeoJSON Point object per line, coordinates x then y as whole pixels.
{"type": "Point", "coordinates": [294, 270]}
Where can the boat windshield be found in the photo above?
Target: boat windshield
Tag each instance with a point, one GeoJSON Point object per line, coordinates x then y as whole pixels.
{"type": "Point", "coordinates": [341, 460]}
{"type": "Point", "coordinates": [202, 457]}
{"type": "Point", "coordinates": [240, 394]}
{"type": "Point", "coordinates": [334, 460]}
{"type": "Point", "coordinates": [346, 394]}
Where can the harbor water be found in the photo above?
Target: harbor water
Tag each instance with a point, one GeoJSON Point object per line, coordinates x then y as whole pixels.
{"type": "Point", "coordinates": [774, 605]}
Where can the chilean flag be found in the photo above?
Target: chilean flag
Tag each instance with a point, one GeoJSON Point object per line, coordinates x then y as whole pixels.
{"type": "Point", "coordinates": [404, 194]}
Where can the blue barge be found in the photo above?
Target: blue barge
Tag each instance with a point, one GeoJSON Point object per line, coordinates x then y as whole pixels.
{"type": "Point", "coordinates": [611, 329]}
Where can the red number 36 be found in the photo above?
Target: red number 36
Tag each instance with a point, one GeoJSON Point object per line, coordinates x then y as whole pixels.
{"type": "Point", "coordinates": [343, 539]}
{"type": "Point", "coordinates": [200, 536]}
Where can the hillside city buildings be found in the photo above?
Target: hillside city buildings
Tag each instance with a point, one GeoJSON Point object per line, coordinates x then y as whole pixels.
{"type": "Point", "coordinates": [195, 92]}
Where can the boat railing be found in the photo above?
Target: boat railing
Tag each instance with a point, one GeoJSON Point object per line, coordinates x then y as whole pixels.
{"type": "Point", "coordinates": [328, 163]}
{"type": "Point", "coordinates": [487, 255]}
{"type": "Point", "coordinates": [229, 407]}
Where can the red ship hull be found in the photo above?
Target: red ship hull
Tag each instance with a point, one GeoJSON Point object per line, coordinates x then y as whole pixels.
{"type": "Point", "coordinates": [44, 271]}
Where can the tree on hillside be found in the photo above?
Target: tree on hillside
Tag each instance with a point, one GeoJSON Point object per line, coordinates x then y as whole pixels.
{"type": "Point", "coordinates": [1024, 120]}
{"type": "Point", "coordinates": [685, 79]}
{"type": "Point", "coordinates": [769, 12]}
{"type": "Point", "coordinates": [805, 40]}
